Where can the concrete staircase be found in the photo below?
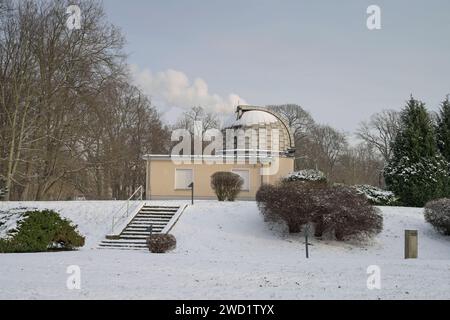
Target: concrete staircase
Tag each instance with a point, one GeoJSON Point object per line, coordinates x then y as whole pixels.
{"type": "Point", "coordinates": [134, 236]}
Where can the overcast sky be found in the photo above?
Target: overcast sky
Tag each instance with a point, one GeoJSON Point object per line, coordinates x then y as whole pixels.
{"type": "Point", "coordinates": [318, 54]}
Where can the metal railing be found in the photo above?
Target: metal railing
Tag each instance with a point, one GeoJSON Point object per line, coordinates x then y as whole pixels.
{"type": "Point", "coordinates": [124, 210]}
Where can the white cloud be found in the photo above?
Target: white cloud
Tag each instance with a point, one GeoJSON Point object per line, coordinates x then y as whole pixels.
{"type": "Point", "coordinates": [172, 89]}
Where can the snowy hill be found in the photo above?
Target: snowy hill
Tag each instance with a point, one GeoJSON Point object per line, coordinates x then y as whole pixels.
{"type": "Point", "coordinates": [226, 251]}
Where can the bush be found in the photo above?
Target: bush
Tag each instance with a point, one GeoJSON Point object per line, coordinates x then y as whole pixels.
{"type": "Point", "coordinates": [291, 202]}
{"type": "Point", "coordinates": [226, 185]}
{"type": "Point", "coordinates": [337, 210]}
{"type": "Point", "coordinates": [346, 214]}
{"type": "Point", "coordinates": [437, 213]}
{"type": "Point", "coordinates": [307, 175]}
{"type": "Point", "coordinates": [161, 243]}
{"type": "Point", "coordinates": [40, 231]}
{"type": "Point", "coordinates": [416, 183]}
{"type": "Point", "coordinates": [377, 196]}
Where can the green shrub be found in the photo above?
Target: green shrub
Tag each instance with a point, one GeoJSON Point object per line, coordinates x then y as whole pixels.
{"type": "Point", "coordinates": [377, 196]}
{"type": "Point", "coordinates": [437, 213]}
{"type": "Point", "coordinates": [40, 231]}
{"type": "Point", "coordinates": [161, 243]}
{"type": "Point", "coordinates": [416, 183]}
{"type": "Point", "coordinates": [226, 185]}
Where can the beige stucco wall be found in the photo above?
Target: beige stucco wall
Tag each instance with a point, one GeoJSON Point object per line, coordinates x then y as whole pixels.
{"type": "Point", "coordinates": [161, 178]}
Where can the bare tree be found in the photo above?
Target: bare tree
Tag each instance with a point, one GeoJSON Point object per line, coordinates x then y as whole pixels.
{"type": "Point", "coordinates": [16, 91]}
{"type": "Point", "coordinates": [299, 120]}
{"type": "Point", "coordinates": [380, 131]}
{"type": "Point", "coordinates": [323, 148]}
{"type": "Point", "coordinates": [360, 164]}
{"type": "Point", "coordinates": [186, 121]}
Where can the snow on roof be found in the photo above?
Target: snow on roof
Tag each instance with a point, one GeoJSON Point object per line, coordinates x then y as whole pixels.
{"type": "Point", "coordinates": [253, 117]}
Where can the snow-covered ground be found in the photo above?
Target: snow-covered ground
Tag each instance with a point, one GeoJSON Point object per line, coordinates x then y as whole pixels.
{"type": "Point", "coordinates": [226, 251]}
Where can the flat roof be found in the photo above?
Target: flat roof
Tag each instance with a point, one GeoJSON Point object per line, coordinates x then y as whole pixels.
{"type": "Point", "coordinates": [203, 157]}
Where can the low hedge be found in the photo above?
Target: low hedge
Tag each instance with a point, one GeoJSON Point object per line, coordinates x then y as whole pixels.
{"type": "Point", "coordinates": [40, 231]}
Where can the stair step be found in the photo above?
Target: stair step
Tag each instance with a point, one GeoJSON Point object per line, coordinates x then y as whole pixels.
{"type": "Point", "coordinates": [142, 230]}
{"type": "Point", "coordinates": [150, 220]}
{"type": "Point", "coordinates": [122, 247]}
{"type": "Point", "coordinates": [153, 217]}
{"type": "Point", "coordinates": [138, 244]}
{"type": "Point", "coordinates": [122, 241]}
{"type": "Point", "coordinates": [136, 237]}
{"type": "Point", "coordinates": [136, 233]}
{"type": "Point", "coordinates": [146, 226]}
{"type": "Point", "coordinates": [155, 214]}
{"type": "Point", "coordinates": [164, 214]}
{"type": "Point", "coordinates": [155, 223]}
{"type": "Point", "coordinates": [161, 214]}
{"type": "Point", "coordinates": [142, 227]}
{"type": "Point", "coordinates": [147, 231]}
{"type": "Point", "coordinates": [160, 208]}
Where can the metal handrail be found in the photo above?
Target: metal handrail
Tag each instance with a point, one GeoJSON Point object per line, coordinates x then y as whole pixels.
{"type": "Point", "coordinates": [117, 216]}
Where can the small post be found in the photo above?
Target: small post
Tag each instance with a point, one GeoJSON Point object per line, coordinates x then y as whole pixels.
{"type": "Point", "coordinates": [411, 244]}
{"type": "Point", "coordinates": [151, 229]}
{"type": "Point", "coordinates": [306, 240]}
{"type": "Point", "coordinates": [192, 192]}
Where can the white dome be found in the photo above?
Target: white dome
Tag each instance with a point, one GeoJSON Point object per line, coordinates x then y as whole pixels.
{"type": "Point", "coordinates": [254, 117]}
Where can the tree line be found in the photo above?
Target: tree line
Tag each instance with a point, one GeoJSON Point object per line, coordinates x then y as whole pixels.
{"type": "Point", "coordinates": [327, 149]}
{"type": "Point", "coordinates": [71, 122]}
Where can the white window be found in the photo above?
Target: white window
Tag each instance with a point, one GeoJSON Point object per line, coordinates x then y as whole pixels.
{"type": "Point", "coordinates": [245, 175]}
{"type": "Point", "coordinates": [183, 178]}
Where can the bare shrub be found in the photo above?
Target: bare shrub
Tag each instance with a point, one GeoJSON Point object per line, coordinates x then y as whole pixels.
{"type": "Point", "coordinates": [346, 214]}
{"type": "Point", "coordinates": [437, 213]}
{"type": "Point", "coordinates": [161, 243]}
{"type": "Point", "coordinates": [226, 185]}
{"type": "Point", "coordinates": [336, 210]}
{"type": "Point", "coordinates": [291, 202]}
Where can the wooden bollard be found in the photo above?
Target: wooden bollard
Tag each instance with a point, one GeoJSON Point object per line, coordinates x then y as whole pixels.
{"type": "Point", "coordinates": [411, 244]}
